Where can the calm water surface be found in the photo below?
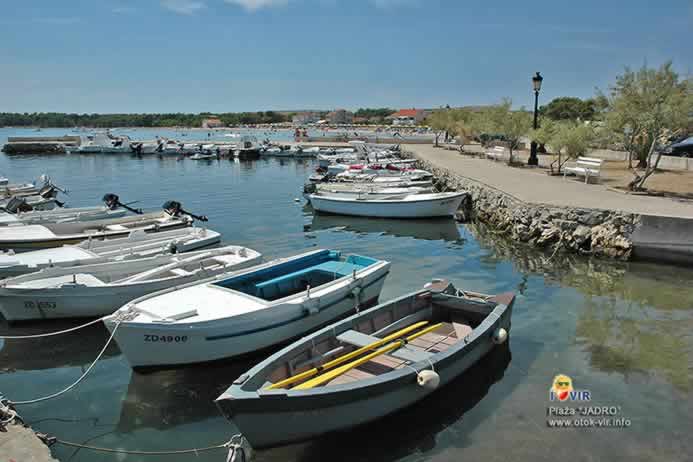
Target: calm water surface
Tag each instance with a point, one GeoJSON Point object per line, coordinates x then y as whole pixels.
{"type": "Point", "coordinates": [622, 331]}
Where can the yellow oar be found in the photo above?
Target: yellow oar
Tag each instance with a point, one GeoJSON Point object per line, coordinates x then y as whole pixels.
{"type": "Point", "coordinates": [328, 376]}
{"type": "Point", "coordinates": [337, 361]}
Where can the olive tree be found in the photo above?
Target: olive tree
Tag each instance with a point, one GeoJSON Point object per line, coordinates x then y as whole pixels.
{"type": "Point", "coordinates": [569, 140]}
{"type": "Point", "coordinates": [645, 106]}
{"type": "Point", "coordinates": [457, 122]}
{"type": "Point", "coordinates": [501, 119]}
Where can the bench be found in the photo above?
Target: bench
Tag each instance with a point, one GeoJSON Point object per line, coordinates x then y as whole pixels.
{"type": "Point", "coordinates": [589, 167]}
{"type": "Point", "coordinates": [406, 352]}
{"type": "Point", "coordinates": [498, 152]}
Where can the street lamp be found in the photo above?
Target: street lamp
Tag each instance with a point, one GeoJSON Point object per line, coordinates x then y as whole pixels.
{"type": "Point", "coordinates": [536, 84]}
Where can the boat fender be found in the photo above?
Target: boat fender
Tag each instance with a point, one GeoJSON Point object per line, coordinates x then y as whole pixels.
{"type": "Point", "coordinates": [500, 335]}
{"type": "Point", "coordinates": [428, 380]}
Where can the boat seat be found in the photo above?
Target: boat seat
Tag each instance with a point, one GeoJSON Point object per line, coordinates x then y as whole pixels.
{"type": "Point", "coordinates": [407, 352]}
{"type": "Point", "coordinates": [263, 289]}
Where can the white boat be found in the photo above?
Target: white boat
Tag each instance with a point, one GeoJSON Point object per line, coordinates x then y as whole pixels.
{"type": "Point", "coordinates": [31, 237]}
{"type": "Point", "coordinates": [272, 150]}
{"type": "Point", "coordinates": [101, 143]}
{"type": "Point", "coordinates": [101, 288]}
{"type": "Point", "coordinates": [250, 310]}
{"type": "Point", "coordinates": [397, 206]}
{"type": "Point", "coordinates": [137, 244]}
{"type": "Point", "coordinates": [307, 152]}
{"type": "Point", "coordinates": [60, 215]}
{"type": "Point", "coordinates": [29, 203]}
{"type": "Point", "coordinates": [365, 191]}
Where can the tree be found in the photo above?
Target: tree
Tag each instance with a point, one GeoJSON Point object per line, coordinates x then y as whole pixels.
{"type": "Point", "coordinates": [501, 119]}
{"type": "Point", "coordinates": [458, 123]}
{"type": "Point", "coordinates": [646, 106]}
{"type": "Point", "coordinates": [569, 138]}
{"type": "Point", "coordinates": [569, 108]}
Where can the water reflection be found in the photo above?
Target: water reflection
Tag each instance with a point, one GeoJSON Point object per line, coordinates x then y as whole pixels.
{"type": "Point", "coordinates": [167, 398]}
{"type": "Point", "coordinates": [632, 320]}
{"type": "Point", "coordinates": [412, 430]}
{"type": "Point", "coordinates": [431, 230]}
{"type": "Point", "coordinates": [75, 349]}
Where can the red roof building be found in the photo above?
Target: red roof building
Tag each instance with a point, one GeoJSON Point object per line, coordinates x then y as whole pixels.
{"type": "Point", "coordinates": [408, 116]}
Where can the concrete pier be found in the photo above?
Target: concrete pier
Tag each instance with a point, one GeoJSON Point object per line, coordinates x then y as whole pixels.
{"type": "Point", "coordinates": [20, 444]}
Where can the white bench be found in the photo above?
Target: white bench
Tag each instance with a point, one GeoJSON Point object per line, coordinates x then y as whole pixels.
{"type": "Point", "coordinates": [498, 152]}
{"type": "Point", "coordinates": [589, 167]}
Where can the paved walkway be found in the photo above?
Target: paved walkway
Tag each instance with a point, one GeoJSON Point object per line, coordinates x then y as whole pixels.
{"type": "Point", "coordinates": [535, 186]}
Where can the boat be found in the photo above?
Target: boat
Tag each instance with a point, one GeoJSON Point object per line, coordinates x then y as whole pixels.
{"type": "Point", "coordinates": [47, 235]}
{"type": "Point", "coordinates": [101, 143]}
{"type": "Point", "coordinates": [102, 288]}
{"type": "Point", "coordinates": [137, 244]}
{"type": "Point", "coordinates": [113, 208]}
{"type": "Point", "coordinates": [234, 315]}
{"type": "Point", "coordinates": [367, 366]}
{"type": "Point", "coordinates": [363, 191]}
{"type": "Point", "coordinates": [306, 152]}
{"type": "Point", "coordinates": [396, 206]}
{"type": "Point", "coordinates": [248, 148]}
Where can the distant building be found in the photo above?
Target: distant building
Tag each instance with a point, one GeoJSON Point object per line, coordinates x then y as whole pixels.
{"type": "Point", "coordinates": [212, 122]}
{"type": "Point", "coordinates": [305, 118]}
{"type": "Point", "coordinates": [405, 117]}
{"type": "Point", "coordinates": [340, 116]}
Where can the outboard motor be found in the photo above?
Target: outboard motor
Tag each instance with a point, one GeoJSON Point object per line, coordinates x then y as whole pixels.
{"type": "Point", "coordinates": [17, 204]}
{"type": "Point", "coordinates": [175, 209]}
{"type": "Point", "coordinates": [48, 191]}
{"type": "Point", "coordinates": [310, 188]}
{"type": "Point", "coordinates": [112, 201]}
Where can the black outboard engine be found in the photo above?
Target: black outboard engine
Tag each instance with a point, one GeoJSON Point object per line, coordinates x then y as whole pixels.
{"type": "Point", "coordinates": [175, 209]}
{"type": "Point", "coordinates": [112, 201]}
{"type": "Point", "coordinates": [17, 204]}
{"type": "Point", "coordinates": [48, 191]}
{"type": "Point", "coordinates": [310, 188]}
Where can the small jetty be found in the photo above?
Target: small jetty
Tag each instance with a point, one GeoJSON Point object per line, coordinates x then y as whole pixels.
{"type": "Point", "coordinates": [39, 144]}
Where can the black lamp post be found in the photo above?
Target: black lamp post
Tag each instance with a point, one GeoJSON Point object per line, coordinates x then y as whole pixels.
{"type": "Point", "coordinates": [536, 83]}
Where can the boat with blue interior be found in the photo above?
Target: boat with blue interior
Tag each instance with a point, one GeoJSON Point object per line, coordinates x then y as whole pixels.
{"type": "Point", "coordinates": [250, 310]}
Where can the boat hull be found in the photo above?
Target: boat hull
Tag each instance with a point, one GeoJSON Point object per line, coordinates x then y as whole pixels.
{"type": "Point", "coordinates": [84, 301]}
{"type": "Point", "coordinates": [298, 416]}
{"type": "Point", "coordinates": [146, 345]}
{"type": "Point", "coordinates": [424, 208]}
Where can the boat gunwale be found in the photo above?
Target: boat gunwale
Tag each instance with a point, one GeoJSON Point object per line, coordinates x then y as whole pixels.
{"type": "Point", "coordinates": [450, 195]}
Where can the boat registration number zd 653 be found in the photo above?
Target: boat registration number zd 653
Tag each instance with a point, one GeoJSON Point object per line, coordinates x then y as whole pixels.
{"type": "Point", "coordinates": [30, 305]}
{"type": "Point", "coordinates": [165, 338]}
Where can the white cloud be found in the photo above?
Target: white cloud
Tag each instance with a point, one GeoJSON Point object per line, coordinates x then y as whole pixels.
{"type": "Point", "coordinates": [183, 6]}
{"type": "Point", "coordinates": [252, 5]}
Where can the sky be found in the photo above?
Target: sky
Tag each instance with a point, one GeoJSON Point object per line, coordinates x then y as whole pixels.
{"type": "Point", "coordinates": [111, 56]}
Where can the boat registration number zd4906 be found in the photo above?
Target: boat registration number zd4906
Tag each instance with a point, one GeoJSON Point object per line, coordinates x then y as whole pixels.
{"type": "Point", "coordinates": [30, 305]}
{"type": "Point", "coordinates": [165, 338]}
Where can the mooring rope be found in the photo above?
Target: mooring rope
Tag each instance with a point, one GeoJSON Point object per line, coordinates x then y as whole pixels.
{"type": "Point", "coordinates": [61, 392]}
{"type": "Point", "coordinates": [234, 445]}
{"type": "Point", "coordinates": [50, 334]}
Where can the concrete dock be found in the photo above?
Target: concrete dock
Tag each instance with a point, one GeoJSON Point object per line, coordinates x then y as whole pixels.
{"type": "Point", "coordinates": [20, 444]}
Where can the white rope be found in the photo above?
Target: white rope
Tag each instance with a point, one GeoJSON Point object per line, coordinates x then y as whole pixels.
{"type": "Point", "coordinates": [54, 395]}
{"type": "Point", "coordinates": [49, 334]}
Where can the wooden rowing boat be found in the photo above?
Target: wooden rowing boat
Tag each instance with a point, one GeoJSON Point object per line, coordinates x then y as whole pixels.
{"type": "Point", "coordinates": [366, 366]}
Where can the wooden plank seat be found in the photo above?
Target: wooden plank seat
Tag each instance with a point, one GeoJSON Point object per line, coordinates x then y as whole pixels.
{"type": "Point", "coordinates": [589, 167]}
{"type": "Point", "coordinates": [406, 352]}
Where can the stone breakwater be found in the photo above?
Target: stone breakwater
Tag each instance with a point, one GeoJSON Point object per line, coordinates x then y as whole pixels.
{"type": "Point", "coordinates": [584, 231]}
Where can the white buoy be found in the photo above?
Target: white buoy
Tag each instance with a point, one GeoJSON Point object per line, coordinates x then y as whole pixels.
{"type": "Point", "coordinates": [500, 335]}
{"type": "Point", "coordinates": [296, 199]}
{"type": "Point", "coordinates": [429, 380]}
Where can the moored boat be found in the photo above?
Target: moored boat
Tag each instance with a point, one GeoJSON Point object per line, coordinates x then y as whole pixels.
{"type": "Point", "coordinates": [233, 315]}
{"type": "Point", "coordinates": [98, 289]}
{"type": "Point", "coordinates": [30, 237]}
{"type": "Point", "coordinates": [137, 244]}
{"type": "Point", "coordinates": [395, 206]}
{"type": "Point", "coordinates": [367, 366]}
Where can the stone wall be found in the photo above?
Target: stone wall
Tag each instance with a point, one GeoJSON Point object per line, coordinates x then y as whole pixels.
{"type": "Point", "coordinates": [584, 231]}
